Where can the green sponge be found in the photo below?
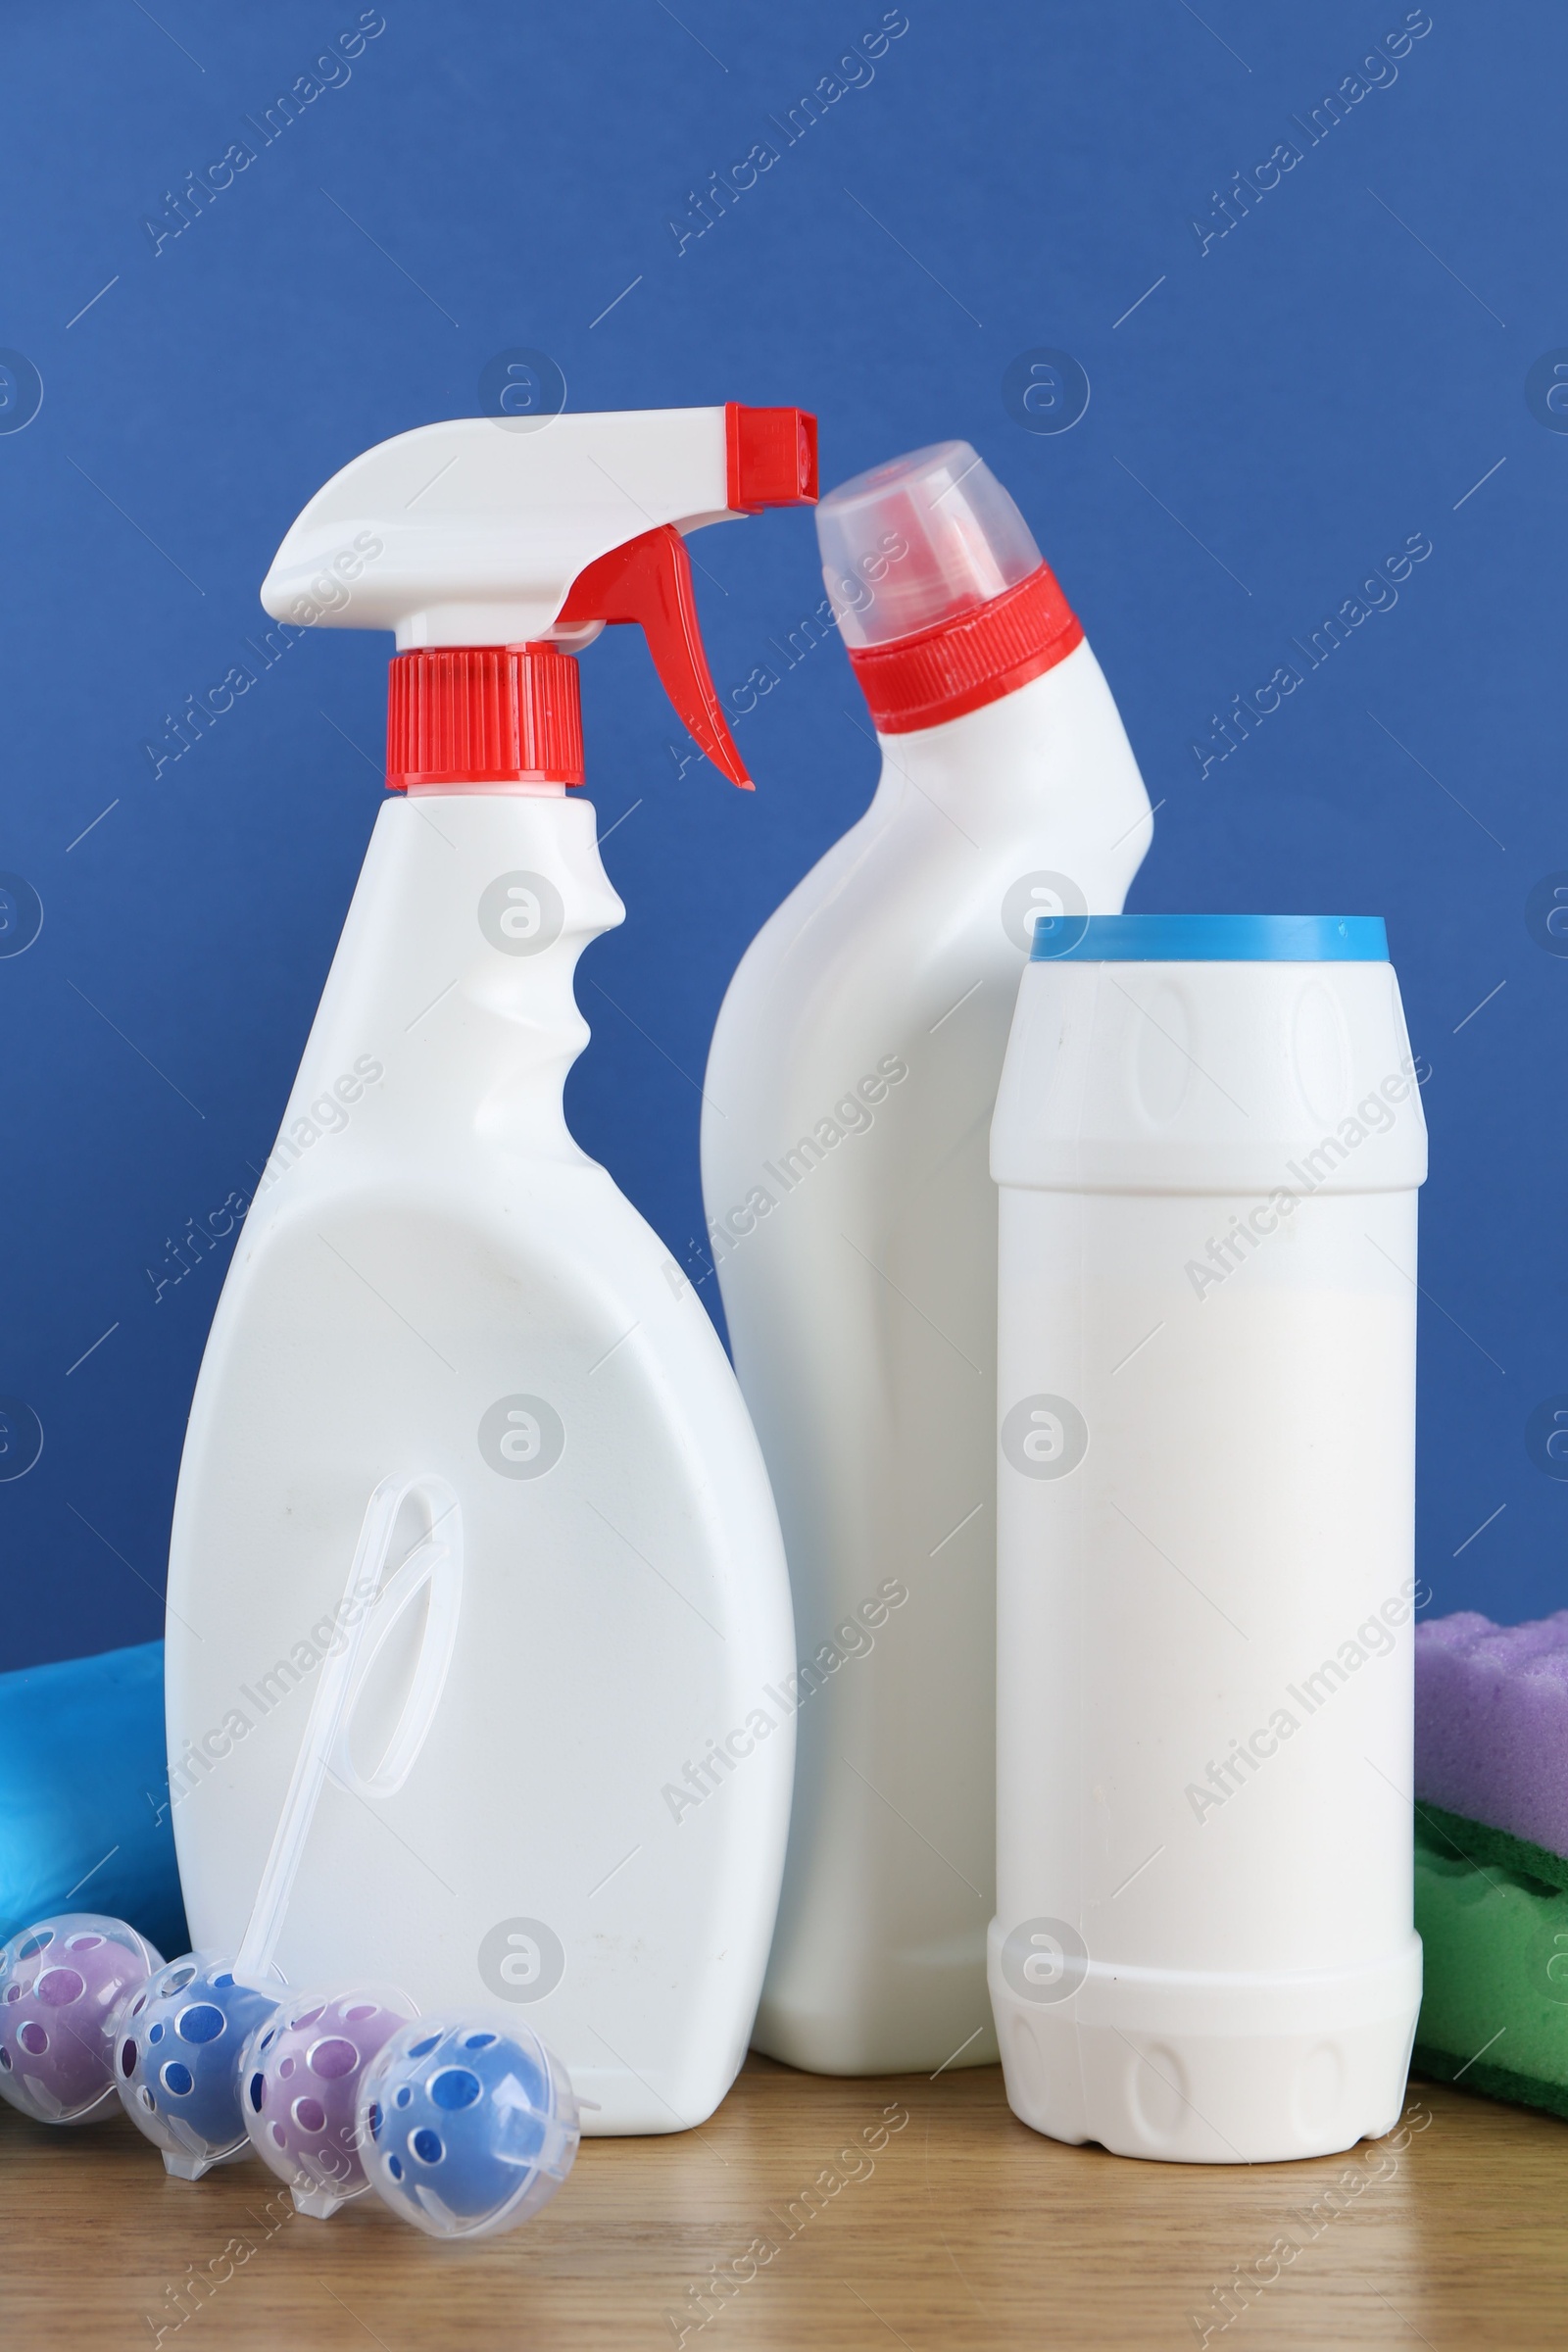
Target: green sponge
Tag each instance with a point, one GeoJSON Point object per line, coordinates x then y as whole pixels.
{"type": "Point", "coordinates": [1493, 1914]}
{"type": "Point", "coordinates": [1476, 1842]}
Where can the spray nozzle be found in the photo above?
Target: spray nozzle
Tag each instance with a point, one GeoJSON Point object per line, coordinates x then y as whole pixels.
{"type": "Point", "coordinates": [495, 548]}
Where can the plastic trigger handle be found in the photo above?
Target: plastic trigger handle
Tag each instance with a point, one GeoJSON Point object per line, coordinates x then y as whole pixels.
{"type": "Point", "coordinates": [649, 580]}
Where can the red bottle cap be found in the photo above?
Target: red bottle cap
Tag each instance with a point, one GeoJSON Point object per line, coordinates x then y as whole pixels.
{"type": "Point", "coordinates": [941, 595]}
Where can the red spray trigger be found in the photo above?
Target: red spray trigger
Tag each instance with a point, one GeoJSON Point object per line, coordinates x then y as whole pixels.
{"type": "Point", "coordinates": [649, 580]}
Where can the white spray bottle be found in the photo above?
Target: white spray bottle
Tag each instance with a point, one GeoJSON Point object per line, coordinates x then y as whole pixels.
{"type": "Point", "coordinates": [559, 1780]}
{"type": "Point", "coordinates": [854, 1221]}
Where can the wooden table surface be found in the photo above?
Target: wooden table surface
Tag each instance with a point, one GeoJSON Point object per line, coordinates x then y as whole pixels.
{"type": "Point", "coordinates": [933, 2220]}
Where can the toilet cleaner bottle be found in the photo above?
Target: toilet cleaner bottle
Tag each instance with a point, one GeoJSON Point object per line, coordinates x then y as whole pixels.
{"type": "Point", "coordinates": [853, 1223]}
{"type": "Point", "coordinates": [465, 1442]}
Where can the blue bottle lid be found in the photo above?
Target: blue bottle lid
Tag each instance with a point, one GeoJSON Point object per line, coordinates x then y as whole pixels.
{"type": "Point", "coordinates": [1211, 938]}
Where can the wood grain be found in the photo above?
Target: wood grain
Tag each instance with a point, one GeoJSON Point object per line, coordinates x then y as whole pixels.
{"type": "Point", "coordinates": [950, 2227]}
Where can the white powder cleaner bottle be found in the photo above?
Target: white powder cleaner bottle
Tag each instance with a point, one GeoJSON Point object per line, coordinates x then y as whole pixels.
{"type": "Point", "coordinates": [1208, 1140]}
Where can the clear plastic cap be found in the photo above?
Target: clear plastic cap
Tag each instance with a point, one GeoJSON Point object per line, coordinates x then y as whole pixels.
{"type": "Point", "coordinates": [919, 540]}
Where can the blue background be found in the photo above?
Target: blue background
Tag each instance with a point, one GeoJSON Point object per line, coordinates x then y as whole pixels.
{"type": "Point", "coordinates": [1281, 413]}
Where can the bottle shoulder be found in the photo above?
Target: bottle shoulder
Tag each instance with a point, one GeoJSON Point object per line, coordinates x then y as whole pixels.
{"type": "Point", "coordinates": [479, 1242]}
{"type": "Point", "coordinates": [859, 913]}
{"type": "Point", "coordinates": [869, 950]}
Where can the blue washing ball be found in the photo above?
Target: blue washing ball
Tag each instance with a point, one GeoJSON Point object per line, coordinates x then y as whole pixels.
{"type": "Point", "coordinates": [177, 2048]}
{"type": "Point", "coordinates": [466, 2129]}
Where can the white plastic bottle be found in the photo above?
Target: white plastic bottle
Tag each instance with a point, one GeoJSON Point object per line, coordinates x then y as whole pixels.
{"type": "Point", "coordinates": [1208, 1138]}
{"type": "Point", "coordinates": [447, 1339]}
{"type": "Point", "coordinates": [847, 1104]}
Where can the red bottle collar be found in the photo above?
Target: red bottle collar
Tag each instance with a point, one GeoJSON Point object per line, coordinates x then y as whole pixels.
{"type": "Point", "coordinates": [483, 715]}
{"type": "Point", "coordinates": [962, 665]}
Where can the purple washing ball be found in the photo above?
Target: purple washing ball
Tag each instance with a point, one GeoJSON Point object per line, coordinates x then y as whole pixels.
{"type": "Point", "coordinates": [301, 2081]}
{"type": "Point", "coordinates": [60, 1982]}
{"type": "Point", "coordinates": [178, 2043]}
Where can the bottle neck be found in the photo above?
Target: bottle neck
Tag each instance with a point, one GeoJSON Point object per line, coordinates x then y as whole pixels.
{"type": "Point", "coordinates": [1045, 775]}
{"type": "Point", "coordinates": [510, 787]}
{"type": "Point", "coordinates": [1008, 751]}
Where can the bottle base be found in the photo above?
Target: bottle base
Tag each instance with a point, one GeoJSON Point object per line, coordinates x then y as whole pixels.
{"type": "Point", "coordinates": [1189, 2068]}
{"type": "Point", "coordinates": [944, 2023]}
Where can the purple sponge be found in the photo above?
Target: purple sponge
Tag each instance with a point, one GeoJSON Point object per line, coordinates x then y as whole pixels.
{"type": "Point", "coordinates": [1491, 1724]}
